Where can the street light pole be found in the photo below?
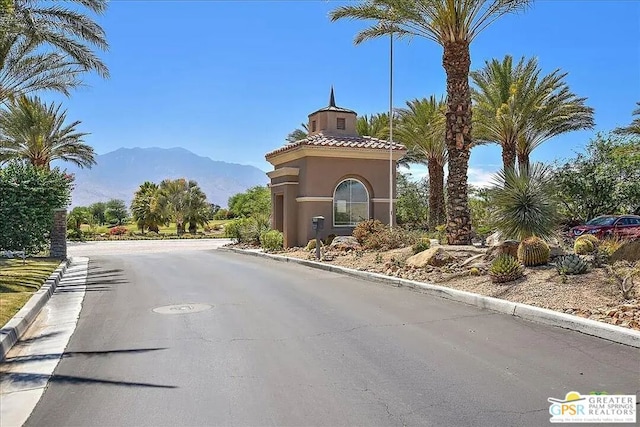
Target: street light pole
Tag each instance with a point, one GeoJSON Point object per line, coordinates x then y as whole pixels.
{"type": "Point", "coordinates": [391, 131]}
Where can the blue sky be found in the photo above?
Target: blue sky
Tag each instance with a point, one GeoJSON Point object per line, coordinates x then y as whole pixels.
{"type": "Point", "coordinates": [230, 79]}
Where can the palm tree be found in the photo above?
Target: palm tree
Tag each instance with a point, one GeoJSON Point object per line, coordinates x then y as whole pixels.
{"type": "Point", "coordinates": [172, 195]}
{"type": "Point", "coordinates": [421, 130]}
{"type": "Point", "coordinates": [35, 131]}
{"type": "Point", "coordinates": [520, 110]}
{"type": "Point", "coordinates": [147, 208]}
{"type": "Point", "coordinates": [634, 128]}
{"type": "Point", "coordinates": [25, 69]}
{"type": "Point", "coordinates": [376, 125]}
{"type": "Point", "coordinates": [298, 134]}
{"type": "Point", "coordinates": [196, 207]}
{"type": "Point", "coordinates": [58, 28]}
{"type": "Point", "coordinates": [453, 24]}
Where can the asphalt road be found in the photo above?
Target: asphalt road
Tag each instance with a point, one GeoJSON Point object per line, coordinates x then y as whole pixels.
{"type": "Point", "coordinates": [287, 345]}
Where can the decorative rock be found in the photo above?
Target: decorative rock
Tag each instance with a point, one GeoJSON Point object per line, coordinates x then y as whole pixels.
{"type": "Point", "coordinates": [345, 243]}
{"type": "Point", "coordinates": [494, 239]}
{"type": "Point", "coordinates": [556, 251]}
{"type": "Point", "coordinates": [509, 247]}
{"type": "Point", "coordinates": [628, 251]}
{"type": "Point", "coordinates": [433, 256]}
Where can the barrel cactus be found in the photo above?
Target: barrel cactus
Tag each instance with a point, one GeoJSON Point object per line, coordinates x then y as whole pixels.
{"type": "Point", "coordinates": [583, 247]}
{"type": "Point", "coordinates": [590, 237]}
{"type": "Point", "coordinates": [533, 251]}
{"type": "Point", "coordinates": [571, 264]}
{"type": "Point", "coordinates": [505, 268]}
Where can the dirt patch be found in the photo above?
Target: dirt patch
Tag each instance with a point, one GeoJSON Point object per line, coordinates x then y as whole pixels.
{"type": "Point", "coordinates": [589, 295]}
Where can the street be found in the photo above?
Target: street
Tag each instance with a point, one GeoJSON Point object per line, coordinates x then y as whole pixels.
{"type": "Point", "coordinates": [189, 337]}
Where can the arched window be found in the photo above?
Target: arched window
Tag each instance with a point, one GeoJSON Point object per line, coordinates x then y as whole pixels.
{"type": "Point", "coordinates": [350, 203]}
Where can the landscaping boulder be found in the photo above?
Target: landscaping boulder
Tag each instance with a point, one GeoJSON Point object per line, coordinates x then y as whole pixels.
{"type": "Point", "coordinates": [494, 239]}
{"type": "Point", "coordinates": [437, 257]}
{"type": "Point", "coordinates": [345, 243]}
{"type": "Point", "coordinates": [509, 247]}
{"type": "Point", "coordinates": [628, 251]}
{"type": "Point", "coordinates": [556, 251]}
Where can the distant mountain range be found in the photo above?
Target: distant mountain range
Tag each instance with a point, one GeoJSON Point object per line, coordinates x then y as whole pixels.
{"type": "Point", "coordinates": [119, 173]}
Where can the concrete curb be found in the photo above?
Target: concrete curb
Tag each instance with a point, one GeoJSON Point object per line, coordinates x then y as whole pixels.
{"type": "Point", "coordinates": [603, 330]}
{"type": "Point", "coordinates": [13, 330]}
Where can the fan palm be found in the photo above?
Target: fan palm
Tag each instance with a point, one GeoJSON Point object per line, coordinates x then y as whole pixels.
{"type": "Point", "coordinates": [35, 131]}
{"type": "Point", "coordinates": [453, 24]}
{"type": "Point", "coordinates": [376, 125]}
{"type": "Point", "coordinates": [519, 109]}
{"type": "Point", "coordinates": [196, 207]}
{"type": "Point", "coordinates": [421, 130]}
{"type": "Point", "coordinates": [147, 208]}
{"type": "Point", "coordinates": [173, 196]}
{"type": "Point", "coordinates": [524, 202]}
{"type": "Point", "coordinates": [65, 30]}
{"type": "Point", "coordinates": [634, 128]}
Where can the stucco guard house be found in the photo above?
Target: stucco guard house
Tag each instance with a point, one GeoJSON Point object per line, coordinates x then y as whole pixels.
{"type": "Point", "coordinates": [334, 173]}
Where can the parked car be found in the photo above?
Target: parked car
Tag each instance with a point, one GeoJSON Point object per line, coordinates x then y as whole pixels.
{"type": "Point", "coordinates": [622, 226]}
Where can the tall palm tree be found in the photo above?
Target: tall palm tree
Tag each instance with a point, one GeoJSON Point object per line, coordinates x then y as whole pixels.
{"type": "Point", "coordinates": [453, 24]}
{"type": "Point", "coordinates": [376, 125]}
{"type": "Point", "coordinates": [172, 195]}
{"type": "Point", "coordinates": [634, 128]}
{"type": "Point", "coordinates": [35, 131]}
{"type": "Point", "coordinates": [421, 130]}
{"type": "Point", "coordinates": [519, 109]}
{"type": "Point", "coordinates": [64, 28]}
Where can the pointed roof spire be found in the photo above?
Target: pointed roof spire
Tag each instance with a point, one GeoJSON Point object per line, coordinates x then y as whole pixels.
{"type": "Point", "coordinates": [332, 98]}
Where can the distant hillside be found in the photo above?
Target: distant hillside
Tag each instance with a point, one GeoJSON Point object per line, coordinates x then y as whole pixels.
{"type": "Point", "coordinates": [119, 173]}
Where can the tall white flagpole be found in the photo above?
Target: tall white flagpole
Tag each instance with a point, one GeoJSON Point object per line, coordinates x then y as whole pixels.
{"type": "Point", "coordinates": [391, 171]}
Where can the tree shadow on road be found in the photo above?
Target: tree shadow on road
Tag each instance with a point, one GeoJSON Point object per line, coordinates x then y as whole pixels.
{"type": "Point", "coordinates": [38, 380]}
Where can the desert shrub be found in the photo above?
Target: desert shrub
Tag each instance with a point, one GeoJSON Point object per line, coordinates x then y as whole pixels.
{"type": "Point", "coordinates": [388, 239]}
{"type": "Point", "coordinates": [118, 231]}
{"type": "Point", "coordinates": [272, 240]}
{"type": "Point", "coordinates": [243, 230]}
{"type": "Point", "coordinates": [623, 274]}
{"type": "Point", "coordinates": [609, 245]}
{"type": "Point", "coordinates": [364, 229]}
{"type": "Point", "coordinates": [421, 245]}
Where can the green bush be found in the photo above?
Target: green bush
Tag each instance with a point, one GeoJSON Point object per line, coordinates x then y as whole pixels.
{"type": "Point", "coordinates": [387, 239]}
{"type": "Point", "coordinates": [272, 240]}
{"type": "Point", "coordinates": [421, 245]}
{"type": "Point", "coordinates": [28, 197]}
{"type": "Point", "coordinates": [244, 230]}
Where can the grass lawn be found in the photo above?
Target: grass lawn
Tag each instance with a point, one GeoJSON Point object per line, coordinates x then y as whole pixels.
{"type": "Point", "coordinates": [18, 282]}
{"type": "Point", "coordinates": [169, 229]}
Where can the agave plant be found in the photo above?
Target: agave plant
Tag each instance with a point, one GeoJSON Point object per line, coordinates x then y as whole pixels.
{"type": "Point", "coordinates": [525, 202]}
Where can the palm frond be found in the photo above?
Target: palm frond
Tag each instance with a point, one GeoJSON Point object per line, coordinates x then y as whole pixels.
{"type": "Point", "coordinates": [633, 129]}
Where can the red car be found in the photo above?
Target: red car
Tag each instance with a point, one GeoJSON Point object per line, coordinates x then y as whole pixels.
{"type": "Point", "coordinates": [623, 226]}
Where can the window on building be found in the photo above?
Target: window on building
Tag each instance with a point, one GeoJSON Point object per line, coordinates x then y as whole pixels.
{"type": "Point", "coordinates": [313, 126]}
{"type": "Point", "coordinates": [350, 203]}
{"type": "Point", "coordinates": [341, 124]}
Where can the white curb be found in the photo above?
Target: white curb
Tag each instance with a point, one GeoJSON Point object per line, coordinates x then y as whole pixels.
{"type": "Point", "coordinates": [20, 322]}
{"type": "Point", "coordinates": [603, 330]}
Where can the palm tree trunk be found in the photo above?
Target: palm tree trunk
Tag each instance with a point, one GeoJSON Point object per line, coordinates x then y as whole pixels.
{"type": "Point", "coordinates": [508, 156]}
{"type": "Point", "coordinates": [523, 160]}
{"type": "Point", "coordinates": [436, 194]}
{"type": "Point", "coordinates": [456, 61]}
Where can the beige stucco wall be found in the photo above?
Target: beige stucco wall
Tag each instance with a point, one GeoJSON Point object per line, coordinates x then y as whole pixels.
{"type": "Point", "coordinates": [318, 177]}
{"type": "Point", "coordinates": [327, 123]}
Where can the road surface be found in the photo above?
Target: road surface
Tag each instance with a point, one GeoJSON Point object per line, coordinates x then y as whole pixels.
{"type": "Point", "coordinates": [254, 342]}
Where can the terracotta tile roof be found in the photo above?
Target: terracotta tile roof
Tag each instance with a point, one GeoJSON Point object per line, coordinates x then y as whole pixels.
{"type": "Point", "coordinates": [339, 141]}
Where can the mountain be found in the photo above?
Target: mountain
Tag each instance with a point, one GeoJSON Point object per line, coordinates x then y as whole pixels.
{"type": "Point", "coordinates": [119, 173]}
